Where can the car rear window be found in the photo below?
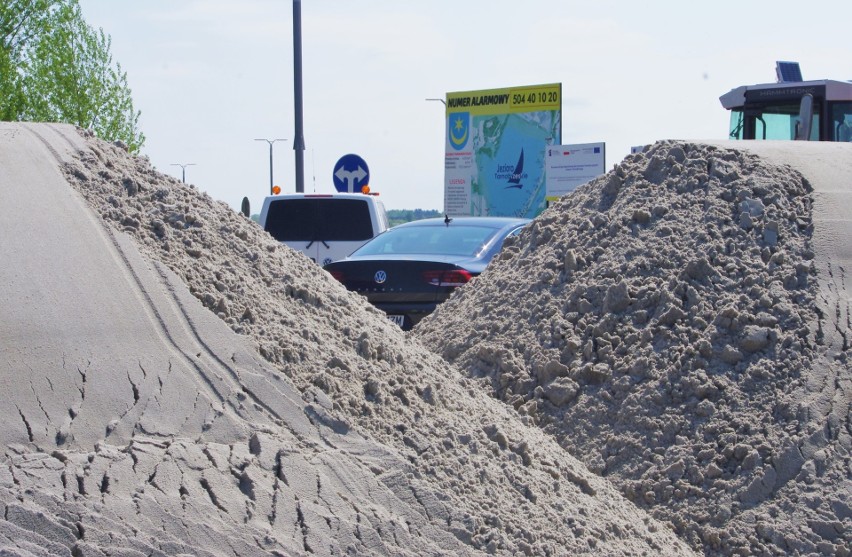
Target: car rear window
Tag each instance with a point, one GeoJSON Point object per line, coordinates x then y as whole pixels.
{"type": "Point", "coordinates": [319, 219]}
{"type": "Point", "coordinates": [430, 240]}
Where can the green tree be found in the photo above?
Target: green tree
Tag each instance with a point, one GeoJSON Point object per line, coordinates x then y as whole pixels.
{"type": "Point", "coordinates": [399, 216]}
{"type": "Point", "coordinates": [21, 23]}
{"type": "Point", "coordinates": [54, 67]}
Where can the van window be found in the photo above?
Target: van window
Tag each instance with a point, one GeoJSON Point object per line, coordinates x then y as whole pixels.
{"type": "Point", "coordinates": [322, 218]}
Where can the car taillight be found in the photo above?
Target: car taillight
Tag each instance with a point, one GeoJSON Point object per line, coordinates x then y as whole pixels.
{"type": "Point", "coordinates": [456, 277]}
{"type": "Point", "coordinates": [337, 274]}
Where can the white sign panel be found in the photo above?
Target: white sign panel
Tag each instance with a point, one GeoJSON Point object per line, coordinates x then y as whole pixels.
{"type": "Point", "coordinates": [570, 166]}
{"type": "Point", "coordinates": [458, 174]}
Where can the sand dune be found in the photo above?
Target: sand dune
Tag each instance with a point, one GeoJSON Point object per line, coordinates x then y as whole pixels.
{"type": "Point", "coordinates": [175, 382]}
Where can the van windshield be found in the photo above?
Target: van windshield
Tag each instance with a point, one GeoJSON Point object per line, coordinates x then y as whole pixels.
{"type": "Point", "coordinates": [319, 219]}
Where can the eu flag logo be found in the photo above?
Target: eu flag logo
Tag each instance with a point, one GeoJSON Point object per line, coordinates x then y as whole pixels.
{"type": "Point", "coordinates": [458, 124]}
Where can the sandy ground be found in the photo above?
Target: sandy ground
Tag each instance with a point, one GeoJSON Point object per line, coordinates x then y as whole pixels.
{"type": "Point", "coordinates": [658, 365]}
{"type": "Point", "coordinates": [682, 326]}
{"type": "Point", "coordinates": [175, 382]}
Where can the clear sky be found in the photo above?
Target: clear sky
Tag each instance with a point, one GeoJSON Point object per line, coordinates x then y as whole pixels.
{"type": "Point", "coordinates": [211, 76]}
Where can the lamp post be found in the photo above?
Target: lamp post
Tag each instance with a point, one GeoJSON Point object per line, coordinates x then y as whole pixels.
{"type": "Point", "coordinates": [299, 137]}
{"type": "Point", "coordinates": [443, 102]}
{"type": "Point", "coordinates": [270, 141]}
{"type": "Point", "coordinates": [183, 169]}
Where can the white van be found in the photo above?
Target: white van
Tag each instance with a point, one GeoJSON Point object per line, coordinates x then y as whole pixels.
{"type": "Point", "coordinates": [325, 227]}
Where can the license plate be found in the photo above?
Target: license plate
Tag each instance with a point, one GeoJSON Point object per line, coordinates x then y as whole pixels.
{"type": "Point", "coordinates": [398, 319]}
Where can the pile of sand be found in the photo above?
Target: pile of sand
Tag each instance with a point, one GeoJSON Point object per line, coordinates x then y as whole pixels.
{"type": "Point", "coordinates": [312, 426]}
{"type": "Point", "coordinates": [663, 324]}
{"type": "Point", "coordinates": [652, 368]}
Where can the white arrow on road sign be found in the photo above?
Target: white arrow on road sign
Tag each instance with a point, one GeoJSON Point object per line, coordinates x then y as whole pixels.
{"type": "Point", "coordinates": [350, 177]}
{"type": "Point", "coordinates": [350, 174]}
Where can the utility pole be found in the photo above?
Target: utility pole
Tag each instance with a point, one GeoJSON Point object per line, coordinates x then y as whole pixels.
{"type": "Point", "coordinates": [270, 141]}
{"type": "Point", "coordinates": [183, 169]}
{"type": "Point", "coordinates": [299, 140]}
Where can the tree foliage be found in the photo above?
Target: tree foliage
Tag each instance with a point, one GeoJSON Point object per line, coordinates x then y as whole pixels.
{"type": "Point", "coordinates": [399, 216]}
{"type": "Point", "coordinates": [54, 67]}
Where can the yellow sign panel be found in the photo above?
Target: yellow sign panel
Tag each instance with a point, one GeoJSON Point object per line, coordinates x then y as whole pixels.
{"type": "Point", "coordinates": [530, 98]}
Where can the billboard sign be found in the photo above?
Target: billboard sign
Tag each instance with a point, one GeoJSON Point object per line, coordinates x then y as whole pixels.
{"type": "Point", "coordinates": [569, 166]}
{"type": "Point", "coordinates": [495, 145]}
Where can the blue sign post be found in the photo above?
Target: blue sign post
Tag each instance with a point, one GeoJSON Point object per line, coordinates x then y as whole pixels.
{"type": "Point", "coordinates": [350, 174]}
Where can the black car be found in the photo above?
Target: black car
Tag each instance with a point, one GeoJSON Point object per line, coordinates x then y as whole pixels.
{"type": "Point", "coordinates": [411, 268]}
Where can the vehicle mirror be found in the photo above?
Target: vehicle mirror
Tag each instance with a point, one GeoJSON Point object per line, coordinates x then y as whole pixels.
{"type": "Point", "coordinates": [806, 114]}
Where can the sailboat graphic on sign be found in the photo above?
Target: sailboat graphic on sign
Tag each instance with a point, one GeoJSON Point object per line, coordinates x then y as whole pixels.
{"type": "Point", "coordinates": [515, 179]}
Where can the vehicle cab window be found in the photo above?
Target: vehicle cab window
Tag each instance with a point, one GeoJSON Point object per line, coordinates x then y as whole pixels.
{"type": "Point", "coordinates": [841, 119]}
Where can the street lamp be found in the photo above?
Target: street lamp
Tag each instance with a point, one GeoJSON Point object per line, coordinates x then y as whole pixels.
{"type": "Point", "coordinates": [270, 141]}
{"type": "Point", "coordinates": [439, 100]}
{"type": "Point", "coordinates": [183, 169]}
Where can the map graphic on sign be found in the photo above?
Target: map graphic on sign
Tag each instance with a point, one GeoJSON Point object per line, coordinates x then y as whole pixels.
{"type": "Point", "coordinates": [496, 139]}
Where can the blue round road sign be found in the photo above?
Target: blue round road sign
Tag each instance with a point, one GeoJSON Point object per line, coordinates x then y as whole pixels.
{"type": "Point", "coordinates": [350, 174]}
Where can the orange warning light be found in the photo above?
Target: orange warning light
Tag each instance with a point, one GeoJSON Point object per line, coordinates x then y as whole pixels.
{"type": "Point", "coordinates": [365, 189]}
{"type": "Point", "coordinates": [276, 190]}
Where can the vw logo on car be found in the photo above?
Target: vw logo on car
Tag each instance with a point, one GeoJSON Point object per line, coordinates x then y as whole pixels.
{"type": "Point", "coordinates": [380, 277]}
